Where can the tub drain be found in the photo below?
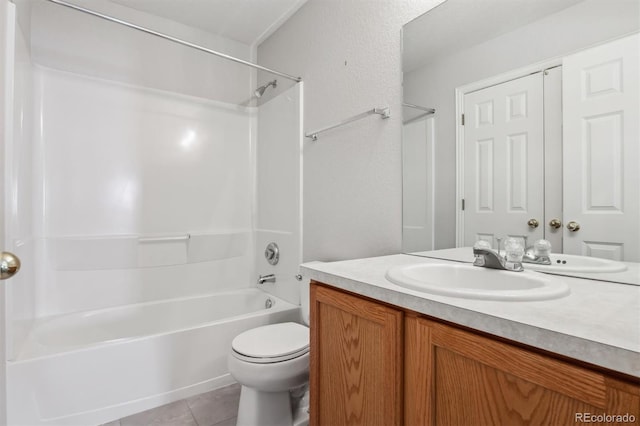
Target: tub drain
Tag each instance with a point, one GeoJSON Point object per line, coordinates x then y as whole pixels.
{"type": "Point", "coordinates": [268, 303]}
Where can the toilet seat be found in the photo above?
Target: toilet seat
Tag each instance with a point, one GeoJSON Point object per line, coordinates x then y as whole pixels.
{"type": "Point", "coordinates": [272, 343]}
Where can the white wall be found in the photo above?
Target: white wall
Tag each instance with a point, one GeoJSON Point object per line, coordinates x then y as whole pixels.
{"type": "Point", "coordinates": [70, 40]}
{"type": "Point", "coordinates": [433, 85]}
{"type": "Point", "coordinates": [348, 53]}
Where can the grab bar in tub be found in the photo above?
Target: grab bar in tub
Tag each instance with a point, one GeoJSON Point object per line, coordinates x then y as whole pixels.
{"type": "Point", "coordinates": [164, 238]}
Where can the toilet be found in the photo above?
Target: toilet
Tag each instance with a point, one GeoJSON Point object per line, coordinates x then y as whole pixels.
{"type": "Point", "coordinates": [272, 365]}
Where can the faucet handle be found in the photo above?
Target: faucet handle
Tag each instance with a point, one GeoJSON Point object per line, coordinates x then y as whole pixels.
{"type": "Point", "coordinates": [542, 248]}
{"type": "Point", "coordinates": [479, 247]}
{"type": "Point", "coordinates": [514, 250]}
{"type": "Point", "coordinates": [514, 253]}
{"type": "Point", "coordinates": [482, 245]}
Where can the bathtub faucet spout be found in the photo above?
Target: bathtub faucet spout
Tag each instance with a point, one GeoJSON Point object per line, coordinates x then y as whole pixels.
{"type": "Point", "coordinates": [271, 278]}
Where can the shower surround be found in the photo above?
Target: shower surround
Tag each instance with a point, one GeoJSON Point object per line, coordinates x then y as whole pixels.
{"type": "Point", "coordinates": [144, 177]}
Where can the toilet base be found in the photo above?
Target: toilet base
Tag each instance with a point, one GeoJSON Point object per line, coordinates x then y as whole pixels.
{"type": "Point", "coordinates": [264, 408]}
{"type": "Point", "coordinates": [300, 405]}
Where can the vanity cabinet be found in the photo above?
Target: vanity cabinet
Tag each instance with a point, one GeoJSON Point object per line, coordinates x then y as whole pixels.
{"type": "Point", "coordinates": [356, 361]}
{"type": "Point", "coordinates": [457, 377]}
{"type": "Point", "coordinates": [374, 364]}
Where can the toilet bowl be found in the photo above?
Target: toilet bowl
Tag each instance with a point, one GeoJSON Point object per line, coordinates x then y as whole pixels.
{"type": "Point", "coordinates": [269, 362]}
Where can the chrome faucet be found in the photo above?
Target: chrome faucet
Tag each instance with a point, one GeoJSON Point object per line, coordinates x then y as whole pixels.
{"type": "Point", "coordinates": [486, 257]}
{"type": "Point", "coordinates": [270, 278]}
{"type": "Point", "coordinates": [538, 253]}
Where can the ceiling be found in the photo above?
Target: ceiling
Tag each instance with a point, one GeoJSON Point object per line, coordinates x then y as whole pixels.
{"type": "Point", "coordinates": [247, 21]}
{"type": "Point", "coordinates": [456, 24]}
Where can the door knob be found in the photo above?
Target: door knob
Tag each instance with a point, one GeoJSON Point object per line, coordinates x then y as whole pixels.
{"type": "Point", "coordinates": [573, 226]}
{"type": "Point", "coordinates": [533, 223]}
{"type": "Point", "coordinates": [9, 265]}
{"type": "Point", "coordinates": [555, 223]}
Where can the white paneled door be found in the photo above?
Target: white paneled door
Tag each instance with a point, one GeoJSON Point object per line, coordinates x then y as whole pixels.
{"type": "Point", "coordinates": [503, 161]}
{"type": "Point", "coordinates": [7, 38]}
{"type": "Point", "coordinates": [601, 159]}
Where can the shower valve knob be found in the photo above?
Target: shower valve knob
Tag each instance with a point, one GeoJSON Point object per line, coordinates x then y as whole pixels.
{"type": "Point", "coordinates": [272, 253]}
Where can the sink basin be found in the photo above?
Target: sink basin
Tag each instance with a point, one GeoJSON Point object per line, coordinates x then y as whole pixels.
{"type": "Point", "coordinates": [474, 282]}
{"type": "Point", "coordinates": [578, 264]}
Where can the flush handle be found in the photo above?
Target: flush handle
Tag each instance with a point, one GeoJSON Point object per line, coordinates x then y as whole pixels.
{"type": "Point", "coordinates": [555, 223]}
{"type": "Point", "coordinates": [9, 265]}
{"type": "Point", "coordinates": [573, 226]}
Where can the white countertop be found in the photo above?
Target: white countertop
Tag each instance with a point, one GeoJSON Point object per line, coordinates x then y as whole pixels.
{"type": "Point", "coordinates": [598, 322]}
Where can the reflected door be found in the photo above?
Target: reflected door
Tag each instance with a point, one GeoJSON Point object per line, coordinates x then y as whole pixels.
{"type": "Point", "coordinates": [503, 161]}
{"type": "Point", "coordinates": [601, 159]}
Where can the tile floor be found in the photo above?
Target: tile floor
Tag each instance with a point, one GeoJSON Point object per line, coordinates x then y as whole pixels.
{"type": "Point", "coordinates": [215, 408]}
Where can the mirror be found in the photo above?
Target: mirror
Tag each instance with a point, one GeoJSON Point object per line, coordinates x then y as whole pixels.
{"type": "Point", "coordinates": [521, 120]}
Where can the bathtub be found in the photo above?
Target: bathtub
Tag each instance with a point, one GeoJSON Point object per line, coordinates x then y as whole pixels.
{"type": "Point", "coordinates": [93, 367]}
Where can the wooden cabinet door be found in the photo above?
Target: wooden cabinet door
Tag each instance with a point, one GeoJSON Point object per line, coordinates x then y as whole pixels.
{"type": "Point", "coordinates": [455, 377]}
{"type": "Point", "coordinates": [356, 360]}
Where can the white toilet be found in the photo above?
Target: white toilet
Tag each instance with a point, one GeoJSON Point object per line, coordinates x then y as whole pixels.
{"type": "Point", "coordinates": [272, 365]}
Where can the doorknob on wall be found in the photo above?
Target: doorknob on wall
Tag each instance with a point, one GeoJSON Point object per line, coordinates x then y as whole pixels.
{"type": "Point", "coordinates": [555, 223]}
{"type": "Point", "coordinates": [9, 265]}
{"type": "Point", "coordinates": [573, 226]}
{"type": "Point", "coordinates": [533, 223]}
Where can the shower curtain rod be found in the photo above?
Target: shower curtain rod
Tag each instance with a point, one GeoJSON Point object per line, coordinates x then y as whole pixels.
{"type": "Point", "coordinates": [174, 39]}
{"type": "Point", "coordinates": [427, 111]}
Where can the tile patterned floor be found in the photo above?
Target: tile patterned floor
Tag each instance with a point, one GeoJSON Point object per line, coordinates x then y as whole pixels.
{"type": "Point", "coordinates": [215, 408]}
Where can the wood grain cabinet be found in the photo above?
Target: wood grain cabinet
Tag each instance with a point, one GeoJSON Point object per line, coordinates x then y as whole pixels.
{"type": "Point", "coordinates": [356, 361]}
{"type": "Point", "coordinates": [374, 364]}
{"type": "Point", "coordinates": [457, 377]}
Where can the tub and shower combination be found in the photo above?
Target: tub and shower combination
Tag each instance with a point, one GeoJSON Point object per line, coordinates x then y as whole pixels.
{"type": "Point", "coordinates": [141, 201]}
{"type": "Point", "coordinates": [92, 367]}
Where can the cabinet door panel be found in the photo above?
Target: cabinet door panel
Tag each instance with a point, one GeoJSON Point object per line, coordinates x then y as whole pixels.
{"type": "Point", "coordinates": [472, 379]}
{"type": "Point", "coordinates": [356, 365]}
{"type": "Point", "coordinates": [489, 396]}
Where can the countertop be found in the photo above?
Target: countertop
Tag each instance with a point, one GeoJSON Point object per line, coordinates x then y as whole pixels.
{"type": "Point", "coordinates": [598, 322]}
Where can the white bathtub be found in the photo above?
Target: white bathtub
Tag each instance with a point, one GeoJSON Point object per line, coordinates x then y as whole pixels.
{"type": "Point", "coordinates": [93, 367]}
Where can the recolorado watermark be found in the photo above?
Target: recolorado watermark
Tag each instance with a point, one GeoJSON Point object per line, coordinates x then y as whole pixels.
{"type": "Point", "coordinates": [604, 418]}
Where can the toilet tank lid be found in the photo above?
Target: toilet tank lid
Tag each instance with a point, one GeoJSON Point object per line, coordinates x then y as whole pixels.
{"type": "Point", "coordinates": [274, 340]}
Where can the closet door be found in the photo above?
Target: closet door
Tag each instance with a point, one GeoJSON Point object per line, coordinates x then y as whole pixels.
{"type": "Point", "coordinates": [503, 161]}
{"type": "Point", "coordinates": [601, 158]}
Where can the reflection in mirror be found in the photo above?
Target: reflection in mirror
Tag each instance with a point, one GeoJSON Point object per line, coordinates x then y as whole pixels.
{"type": "Point", "coordinates": [534, 126]}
